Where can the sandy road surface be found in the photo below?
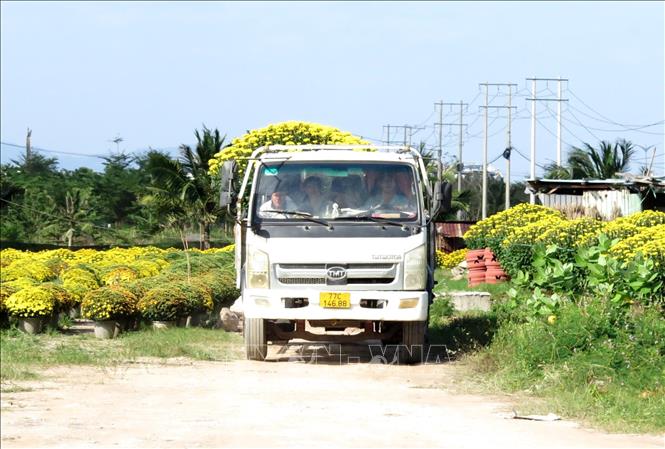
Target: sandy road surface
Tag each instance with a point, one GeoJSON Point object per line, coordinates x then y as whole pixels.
{"type": "Point", "coordinates": [215, 404]}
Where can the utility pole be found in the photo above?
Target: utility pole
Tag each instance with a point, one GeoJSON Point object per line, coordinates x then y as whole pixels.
{"type": "Point", "coordinates": [558, 125]}
{"type": "Point", "coordinates": [510, 107]}
{"type": "Point", "coordinates": [653, 158]}
{"type": "Point", "coordinates": [461, 125]}
{"type": "Point", "coordinates": [509, 144]}
{"type": "Point", "coordinates": [484, 199]}
{"type": "Point", "coordinates": [28, 147]}
{"type": "Point", "coordinates": [438, 166]}
{"type": "Point", "coordinates": [532, 196]}
{"type": "Point", "coordinates": [409, 131]}
{"type": "Point", "coordinates": [387, 135]}
{"type": "Point", "coordinates": [533, 99]}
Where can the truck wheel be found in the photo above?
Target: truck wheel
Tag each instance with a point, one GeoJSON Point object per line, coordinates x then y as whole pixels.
{"type": "Point", "coordinates": [256, 343]}
{"type": "Point", "coordinates": [412, 349]}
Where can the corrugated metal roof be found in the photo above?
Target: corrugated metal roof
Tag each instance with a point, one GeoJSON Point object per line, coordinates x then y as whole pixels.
{"type": "Point", "coordinates": [453, 228]}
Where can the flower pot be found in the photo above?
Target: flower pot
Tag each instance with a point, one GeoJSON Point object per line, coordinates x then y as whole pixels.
{"type": "Point", "coordinates": [107, 329]}
{"type": "Point", "coordinates": [490, 259]}
{"type": "Point", "coordinates": [475, 263]}
{"type": "Point", "coordinates": [476, 277]}
{"type": "Point", "coordinates": [163, 324]}
{"type": "Point", "coordinates": [475, 258]}
{"type": "Point", "coordinates": [495, 275]}
{"type": "Point", "coordinates": [53, 320]}
{"type": "Point", "coordinates": [31, 325]}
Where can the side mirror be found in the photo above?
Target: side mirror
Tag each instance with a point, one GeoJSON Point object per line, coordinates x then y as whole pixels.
{"type": "Point", "coordinates": [226, 195]}
{"type": "Point", "coordinates": [443, 196]}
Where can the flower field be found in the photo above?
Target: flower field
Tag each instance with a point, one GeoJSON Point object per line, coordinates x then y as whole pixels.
{"type": "Point", "coordinates": [514, 234]}
{"type": "Point", "coordinates": [146, 282]}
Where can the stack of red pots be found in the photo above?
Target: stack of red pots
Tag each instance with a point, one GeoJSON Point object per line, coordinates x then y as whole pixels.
{"type": "Point", "coordinates": [475, 263]}
{"type": "Point", "coordinates": [493, 273]}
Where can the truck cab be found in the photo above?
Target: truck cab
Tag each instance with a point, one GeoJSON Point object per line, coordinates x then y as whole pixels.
{"type": "Point", "coordinates": [335, 243]}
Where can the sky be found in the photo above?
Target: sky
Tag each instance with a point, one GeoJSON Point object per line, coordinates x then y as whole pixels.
{"type": "Point", "coordinates": [80, 74]}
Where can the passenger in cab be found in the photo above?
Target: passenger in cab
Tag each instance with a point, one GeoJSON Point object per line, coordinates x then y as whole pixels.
{"type": "Point", "coordinates": [387, 196]}
{"type": "Point", "coordinates": [314, 201]}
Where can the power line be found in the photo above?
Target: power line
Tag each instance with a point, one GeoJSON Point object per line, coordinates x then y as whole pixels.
{"type": "Point", "coordinates": [52, 151]}
{"type": "Point", "coordinates": [609, 120]}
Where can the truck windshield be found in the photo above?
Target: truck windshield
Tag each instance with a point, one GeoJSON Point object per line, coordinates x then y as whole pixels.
{"type": "Point", "coordinates": [359, 191]}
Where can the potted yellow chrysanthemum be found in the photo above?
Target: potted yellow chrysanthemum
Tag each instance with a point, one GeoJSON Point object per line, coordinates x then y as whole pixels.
{"type": "Point", "coordinates": [32, 306]}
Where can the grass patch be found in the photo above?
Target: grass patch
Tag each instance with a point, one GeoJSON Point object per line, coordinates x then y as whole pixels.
{"type": "Point", "coordinates": [596, 363]}
{"type": "Point", "coordinates": [445, 283]}
{"type": "Point", "coordinates": [593, 364]}
{"type": "Point", "coordinates": [25, 356]}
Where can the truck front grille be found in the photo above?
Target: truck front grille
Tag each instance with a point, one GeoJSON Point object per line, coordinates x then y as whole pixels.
{"type": "Point", "coordinates": [316, 274]}
{"type": "Point", "coordinates": [301, 281]}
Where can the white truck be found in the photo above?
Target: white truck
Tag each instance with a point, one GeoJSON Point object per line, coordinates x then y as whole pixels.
{"type": "Point", "coordinates": [335, 243]}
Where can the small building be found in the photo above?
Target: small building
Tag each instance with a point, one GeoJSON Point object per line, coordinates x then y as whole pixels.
{"type": "Point", "coordinates": [449, 235]}
{"type": "Point", "coordinates": [602, 198]}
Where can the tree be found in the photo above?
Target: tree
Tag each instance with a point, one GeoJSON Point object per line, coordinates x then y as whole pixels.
{"type": "Point", "coordinates": [77, 215]}
{"type": "Point", "coordinates": [603, 162]}
{"type": "Point", "coordinates": [184, 187]}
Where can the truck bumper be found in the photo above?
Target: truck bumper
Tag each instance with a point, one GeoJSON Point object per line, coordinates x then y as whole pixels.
{"type": "Point", "coordinates": [278, 304]}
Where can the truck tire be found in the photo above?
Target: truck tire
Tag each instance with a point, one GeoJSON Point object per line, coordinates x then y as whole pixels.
{"type": "Point", "coordinates": [256, 342]}
{"type": "Point", "coordinates": [412, 349]}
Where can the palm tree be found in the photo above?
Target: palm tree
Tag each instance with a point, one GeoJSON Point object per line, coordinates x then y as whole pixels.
{"type": "Point", "coordinates": [183, 187]}
{"type": "Point", "coordinates": [603, 162]}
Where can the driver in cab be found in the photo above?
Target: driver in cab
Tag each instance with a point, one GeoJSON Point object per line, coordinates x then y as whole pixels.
{"type": "Point", "coordinates": [279, 201]}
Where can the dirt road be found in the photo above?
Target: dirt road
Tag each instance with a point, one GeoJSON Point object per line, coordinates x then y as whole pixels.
{"type": "Point", "coordinates": [290, 401]}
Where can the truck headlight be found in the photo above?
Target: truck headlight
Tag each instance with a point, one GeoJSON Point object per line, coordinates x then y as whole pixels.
{"type": "Point", "coordinates": [415, 269]}
{"type": "Point", "coordinates": [258, 269]}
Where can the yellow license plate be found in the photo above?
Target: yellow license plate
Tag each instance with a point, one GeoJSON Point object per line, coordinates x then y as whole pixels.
{"type": "Point", "coordinates": [335, 300]}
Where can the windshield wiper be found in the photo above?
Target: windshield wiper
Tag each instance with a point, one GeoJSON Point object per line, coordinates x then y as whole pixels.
{"type": "Point", "coordinates": [375, 220]}
{"type": "Point", "coordinates": [306, 215]}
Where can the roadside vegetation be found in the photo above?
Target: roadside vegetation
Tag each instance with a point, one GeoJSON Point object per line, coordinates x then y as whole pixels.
{"type": "Point", "coordinates": [580, 329]}
{"type": "Point", "coordinates": [25, 357]}
{"type": "Point", "coordinates": [130, 287]}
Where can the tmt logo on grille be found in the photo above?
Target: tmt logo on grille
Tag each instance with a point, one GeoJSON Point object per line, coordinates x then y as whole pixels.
{"type": "Point", "coordinates": [336, 273]}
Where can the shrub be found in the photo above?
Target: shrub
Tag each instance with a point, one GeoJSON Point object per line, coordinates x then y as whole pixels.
{"type": "Point", "coordinates": [118, 275]}
{"type": "Point", "coordinates": [108, 303]}
{"type": "Point", "coordinates": [31, 302]}
{"type": "Point", "coordinates": [450, 260]}
{"type": "Point", "coordinates": [163, 304]}
{"type": "Point", "coordinates": [570, 234]}
{"type": "Point", "coordinates": [516, 251]}
{"type": "Point", "coordinates": [646, 218]}
{"type": "Point", "coordinates": [64, 300]}
{"type": "Point", "coordinates": [27, 268]}
{"type": "Point", "coordinates": [650, 242]}
{"type": "Point", "coordinates": [201, 263]}
{"type": "Point", "coordinates": [286, 133]}
{"type": "Point", "coordinates": [198, 295]}
{"type": "Point", "coordinates": [223, 286]}
{"type": "Point", "coordinates": [9, 255]}
{"type": "Point", "coordinates": [492, 231]}
{"type": "Point", "coordinates": [6, 290]}
{"type": "Point", "coordinates": [148, 268]}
